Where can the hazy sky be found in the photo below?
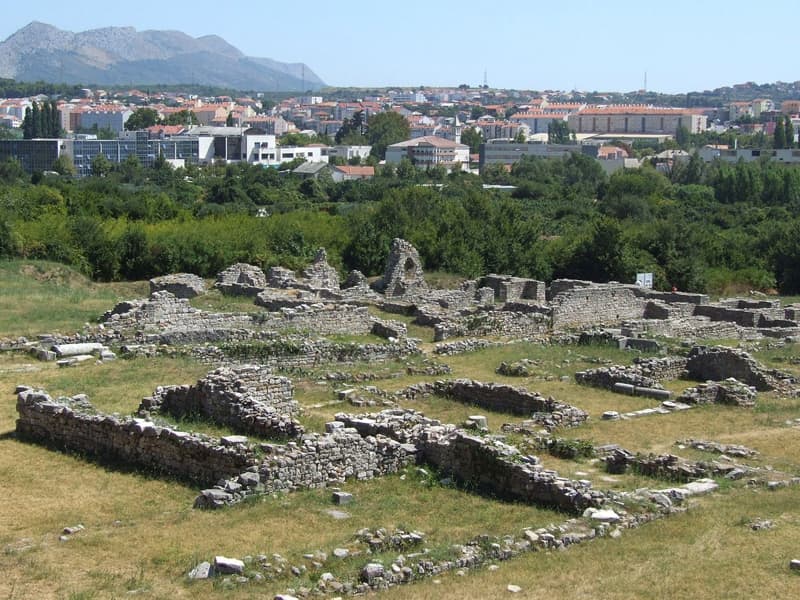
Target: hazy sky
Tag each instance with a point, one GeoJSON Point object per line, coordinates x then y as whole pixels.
{"type": "Point", "coordinates": [683, 45]}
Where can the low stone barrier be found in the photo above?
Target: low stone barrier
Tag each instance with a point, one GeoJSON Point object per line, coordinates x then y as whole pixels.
{"type": "Point", "coordinates": [462, 346]}
{"type": "Point", "coordinates": [516, 321]}
{"type": "Point", "coordinates": [661, 369]}
{"type": "Point", "coordinates": [316, 461]}
{"type": "Point", "coordinates": [498, 469]}
{"type": "Point", "coordinates": [290, 353]}
{"type": "Point", "coordinates": [720, 362]}
{"type": "Point", "coordinates": [730, 391]}
{"type": "Point", "coordinates": [672, 468]}
{"type": "Point", "coordinates": [483, 463]}
{"type": "Point", "coordinates": [508, 399]}
{"type": "Point", "coordinates": [609, 377]}
{"type": "Point", "coordinates": [72, 424]}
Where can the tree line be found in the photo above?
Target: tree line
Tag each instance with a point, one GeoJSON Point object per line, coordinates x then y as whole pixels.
{"type": "Point", "coordinates": [716, 227]}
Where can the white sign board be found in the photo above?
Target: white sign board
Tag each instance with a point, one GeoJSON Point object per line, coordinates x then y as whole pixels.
{"type": "Point", "coordinates": [644, 280]}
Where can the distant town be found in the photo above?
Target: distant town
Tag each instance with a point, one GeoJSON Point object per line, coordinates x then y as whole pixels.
{"type": "Point", "coordinates": [462, 128]}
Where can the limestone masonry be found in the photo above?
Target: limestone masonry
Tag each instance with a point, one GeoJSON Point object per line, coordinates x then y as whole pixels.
{"type": "Point", "coordinates": [248, 399]}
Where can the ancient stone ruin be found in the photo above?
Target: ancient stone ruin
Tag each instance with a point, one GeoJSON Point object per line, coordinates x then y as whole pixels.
{"type": "Point", "coordinates": [403, 275]}
{"type": "Point", "coordinates": [269, 451]}
{"type": "Point", "coordinates": [320, 274]}
{"type": "Point", "coordinates": [241, 279]}
{"type": "Point", "coordinates": [249, 399]}
{"type": "Point", "coordinates": [73, 424]}
{"type": "Point", "coordinates": [180, 285]}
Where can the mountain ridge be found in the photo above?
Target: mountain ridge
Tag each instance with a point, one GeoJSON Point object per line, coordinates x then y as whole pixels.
{"type": "Point", "coordinates": [121, 55]}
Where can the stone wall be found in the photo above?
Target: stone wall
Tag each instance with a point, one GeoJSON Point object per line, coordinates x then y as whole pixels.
{"type": "Point", "coordinates": [594, 304]}
{"type": "Point", "coordinates": [241, 279]}
{"type": "Point", "coordinates": [661, 369]}
{"type": "Point", "coordinates": [319, 274]}
{"type": "Point", "coordinates": [609, 377]}
{"type": "Point", "coordinates": [483, 463]}
{"type": "Point", "coordinates": [730, 392]}
{"type": "Point", "coordinates": [493, 467]}
{"type": "Point", "coordinates": [403, 275]}
{"type": "Point", "coordinates": [462, 346]}
{"type": "Point", "coordinates": [792, 312]}
{"type": "Point", "coordinates": [316, 461]}
{"type": "Point", "coordinates": [302, 353]}
{"type": "Point", "coordinates": [505, 323]}
{"type": "Point", "coordinates": [690, 327]}
{"type": "Point", "coordinates": [509, 289]}
{"type": "Point", "coordinates": [719, 362]}
{"type": "Point", "coordinates": [676, 297]}
{"type": "Point", "coordinates": [321, 319]}
{"type": "Point", "coordinates": [741, 316]}
{"type": "Point", "coordinates": [180, 285]}
{"type": "Point", "coordinates": [72, 425]}
{"type": "Point", "coordinates": [661, 310]}
{"type": "Point", "coordinates": [249, 399]}
{"type": "Point", "coordinates": [163, 311]}
{"type": "Point", "coordinates": [509, 399]}
{"type": "Point", "coordinates": [168, 319]}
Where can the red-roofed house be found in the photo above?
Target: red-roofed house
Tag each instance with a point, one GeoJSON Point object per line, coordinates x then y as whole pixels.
{"type": "Point", "coordinates": [351, 173]}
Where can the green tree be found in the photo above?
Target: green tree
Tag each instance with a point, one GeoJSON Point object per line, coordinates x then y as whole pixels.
{"type": "Point", "coordinates": [385, 129]}
{"type": "Point", "coordinates": [63, 165]}
{"type": "Point", "coordinates": [8, 247]}
{"type": "Point", "coordinates": [352, 131]}
{"type": "Point", "coordinates": [406, 170]}
{"type": "Point", "coordinates": [182, 117]}
{"type": "Point", "coordinates": [779, 138]}
{"type": "Point", "coordinates": [142, 118]}
{"type": "Point", "coordinates": [558, 132]}
{"type": "Point", "coordinates": [11, 171]}
{"type": "Point", "coordinates": [130, 169]}
{"type": "Point", "coordinates": [101, 166]}
{"type": "Point", "coordinates": [787, 123]}
{"type": "Point", "coordinates": [682, 137]}
{"type": "Point", "coordinates": [42, 121]}
{"type": "Point", "coordinates": [27, 124]}
{"type": "Point", "coordinates": [472, 138]}
{"type": "Point", "coordinates": [229, 122]}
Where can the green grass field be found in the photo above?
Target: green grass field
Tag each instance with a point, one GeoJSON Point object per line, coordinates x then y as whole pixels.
{"type": "Point", "coordinates": [142, 536]}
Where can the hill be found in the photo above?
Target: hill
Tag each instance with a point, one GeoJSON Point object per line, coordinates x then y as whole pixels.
{"type": "Point", "coordinates": [123, 55]}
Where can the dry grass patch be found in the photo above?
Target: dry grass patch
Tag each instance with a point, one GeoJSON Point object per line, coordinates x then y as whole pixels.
{"type": "Point", "coordinates": [710, 552]}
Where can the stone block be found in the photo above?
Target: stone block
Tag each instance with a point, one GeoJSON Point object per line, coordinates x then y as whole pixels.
{"type": "Point", "coordinates": [180, 285]}
{"type": "Point", "coordinates": [342, 498]}
{"type": "Point", "coordinates": [228, 566]}
{"type": "Point", "coordinates": [201, 571]}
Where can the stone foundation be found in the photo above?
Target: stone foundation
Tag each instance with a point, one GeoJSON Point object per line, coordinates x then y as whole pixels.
{"type": "Point", "coordinates": [72, 425]}
{"type": "Point", "coordinates": [730, 392]}
{"type": "Point", "coordinates": [318, 460]}
{"type": "Point", "coordinates": [248, 399]}
{"type": "Point", "coordinates": [719, 362]}
{"type": "Point", "coordinates": [500, 470]}
{"type": "Point", "coordinates": [241, 279]}
{"type": "Point", "coordinates": [507, 399]}
{"type": "Point", "coordinates": [180, 285]}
